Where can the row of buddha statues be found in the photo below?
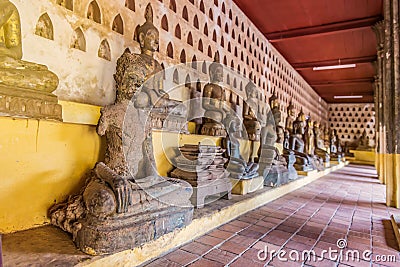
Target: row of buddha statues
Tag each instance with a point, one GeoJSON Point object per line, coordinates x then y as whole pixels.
{"type": "Point", "coordinates": [125, 202]}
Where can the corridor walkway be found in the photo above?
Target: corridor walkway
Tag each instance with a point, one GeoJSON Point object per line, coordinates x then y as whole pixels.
{"type": "Point", "coordinates": [347, 205]}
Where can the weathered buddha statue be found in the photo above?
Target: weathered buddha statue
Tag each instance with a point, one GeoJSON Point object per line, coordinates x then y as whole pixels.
{"type": "Point", "coordinates": [125, 203]}
{"type": "Point", "coordinates": [28, 84]}
{"type": "Point", "coordinates": [296, 144]}
{"type": "Point", "coordinates": [334, 152]}
{"type": "Point", "coordinates": [214, 102]}
{"type": "Point", "coordinates": [135, 69]}
{"type": "Point", "coordinates": [364, 142]}
{"type": "Point", "coordinates": [252, 116]}
{"type": "Point", "coordinates": [319, 144]}
{"type": "Point", "coordinates": [291, 118]}
{"type": "Point", "coordinates": [250, 112]}
{"type": "Point", "coordinates": [237, 166]}
{"type": "Point", "coordinates": [273, 163]}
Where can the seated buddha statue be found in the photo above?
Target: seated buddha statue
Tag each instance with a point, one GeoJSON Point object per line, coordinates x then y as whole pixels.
{"type": "Point", "coordinates": [15, 72]}
{"type": "Point", "coordinates": [335, 154]}
{"type": "Point", "coordinates": [296, 144]}
{"type": "Point", "coordinates": [363, 142]}
{"type": "Point", "coordinates": [124, 198]}
{"type": "Point", "coordinates": [250, 112]}
{"type": "Point", "coordinates": [291, 117]}
{"type": "Point", "coordinates": [237, 166]}
{"type": "Point", "coordinates": [214, 102]}
{"type": "Point", "coordinates": [142, 70]}
{"type": "Point", "coordinates": [319, 144]}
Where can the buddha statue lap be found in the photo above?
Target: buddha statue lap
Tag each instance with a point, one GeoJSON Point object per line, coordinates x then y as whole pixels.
{"type": "Point", "coordinates": [125, 203]}
{"type": "Point", "coordinates": [25, 87]}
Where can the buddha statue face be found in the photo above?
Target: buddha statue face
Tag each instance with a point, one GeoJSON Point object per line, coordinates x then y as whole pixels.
{"type": "Point", "coordinates": [291, 111]}
{"type": "Point", "coordinates": [216, 73]}
{"type": "Point", "coordinates": [149, 40]}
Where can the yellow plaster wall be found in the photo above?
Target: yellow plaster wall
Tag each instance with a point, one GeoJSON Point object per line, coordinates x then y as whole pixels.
{"type": "Point", "coordinates": [41, 162]}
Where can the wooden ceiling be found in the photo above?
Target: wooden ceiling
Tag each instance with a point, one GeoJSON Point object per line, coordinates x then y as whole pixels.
{"type": "Point", "coordinates": [312, 33]}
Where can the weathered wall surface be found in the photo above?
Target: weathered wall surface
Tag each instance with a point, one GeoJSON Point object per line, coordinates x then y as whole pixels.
{"type": "Point", "coordinates": [350, 120]}
{"type": "Point", "coordinates": [189, 31]}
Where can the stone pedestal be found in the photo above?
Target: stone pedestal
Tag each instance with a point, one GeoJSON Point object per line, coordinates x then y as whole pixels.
{"type": "Point", "coordinates": [27, 103]}
{"type": "Point", "coordinates": [243, 187]}
{"type": "Point", "coordinates": [203, 167]}
{"type": "Point", "coordinates": [127, 232]}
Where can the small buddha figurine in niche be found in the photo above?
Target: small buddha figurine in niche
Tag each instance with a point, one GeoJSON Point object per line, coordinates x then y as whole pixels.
{"type": "Point", "coordinates": [27, 85]}
{"type": "Point", "coordinates": [124, 198]}
{"type": "Point", "coordinates": [213, 101]}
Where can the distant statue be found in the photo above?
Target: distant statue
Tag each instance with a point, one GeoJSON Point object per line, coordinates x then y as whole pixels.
{"type": "Point", "coordinates": [335, 151]}
{"type": "Point", "coordinates": [320, 149]}
{"type": "Point", "coordinates": [214, 102]}
{"type": "Point", "coordinates": [15, 72]}
{"type": "Point", "coordinates": [364, 142]}
{"type": "Point", "coordinates": [125, 198]}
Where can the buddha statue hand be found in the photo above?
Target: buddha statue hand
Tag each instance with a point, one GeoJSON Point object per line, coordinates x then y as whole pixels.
{"type": "Point", "coordinates": [121, 186]}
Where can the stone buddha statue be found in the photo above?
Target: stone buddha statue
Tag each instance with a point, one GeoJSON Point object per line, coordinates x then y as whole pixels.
{"type": "Point", "coordinates": [237, 166]}
{"type": "Point", "coordinates": [28, 85]}
{"type": "Point", "coordinates": [250, 112]}
{"type": "Point", "coordinates": [320, 149]}
{"type": "Point", "coordinates": [363, 142]}
{"type": "Point", "coordinates": [135, 70]}
{"type": "Point", "coordinates": [335, 154]}
{"type": "Point", "coordinates": [291, 117]}
{"type": "Point", "coordinates": [125, 202]}
{"type": "Point", "coordinates": [296, 144]}
{"type": "Point", "coordinates": [273, 161]}
{"type": "Point", "coordinates": [214, 102]}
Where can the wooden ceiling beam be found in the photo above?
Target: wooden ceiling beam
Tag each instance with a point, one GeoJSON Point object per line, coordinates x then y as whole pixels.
{"type": "Point", "coordinates": [342, 82]}
{"type": "Point", "coordinates": [323, 29]}
{"type": "Point", "coordinates": [355, 60]}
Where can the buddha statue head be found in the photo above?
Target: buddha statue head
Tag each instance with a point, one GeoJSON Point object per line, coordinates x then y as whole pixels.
{"type": "Point", "coordinates": [215, 69]}
{"type": "Point", "coordinates": [147, 34]}
{"type": "Point", "coordinates": [251, 90]}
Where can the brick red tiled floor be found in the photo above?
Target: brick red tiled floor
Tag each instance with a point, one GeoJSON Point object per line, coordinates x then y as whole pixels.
{"type": "Point", "coordinates": [348, 204]}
